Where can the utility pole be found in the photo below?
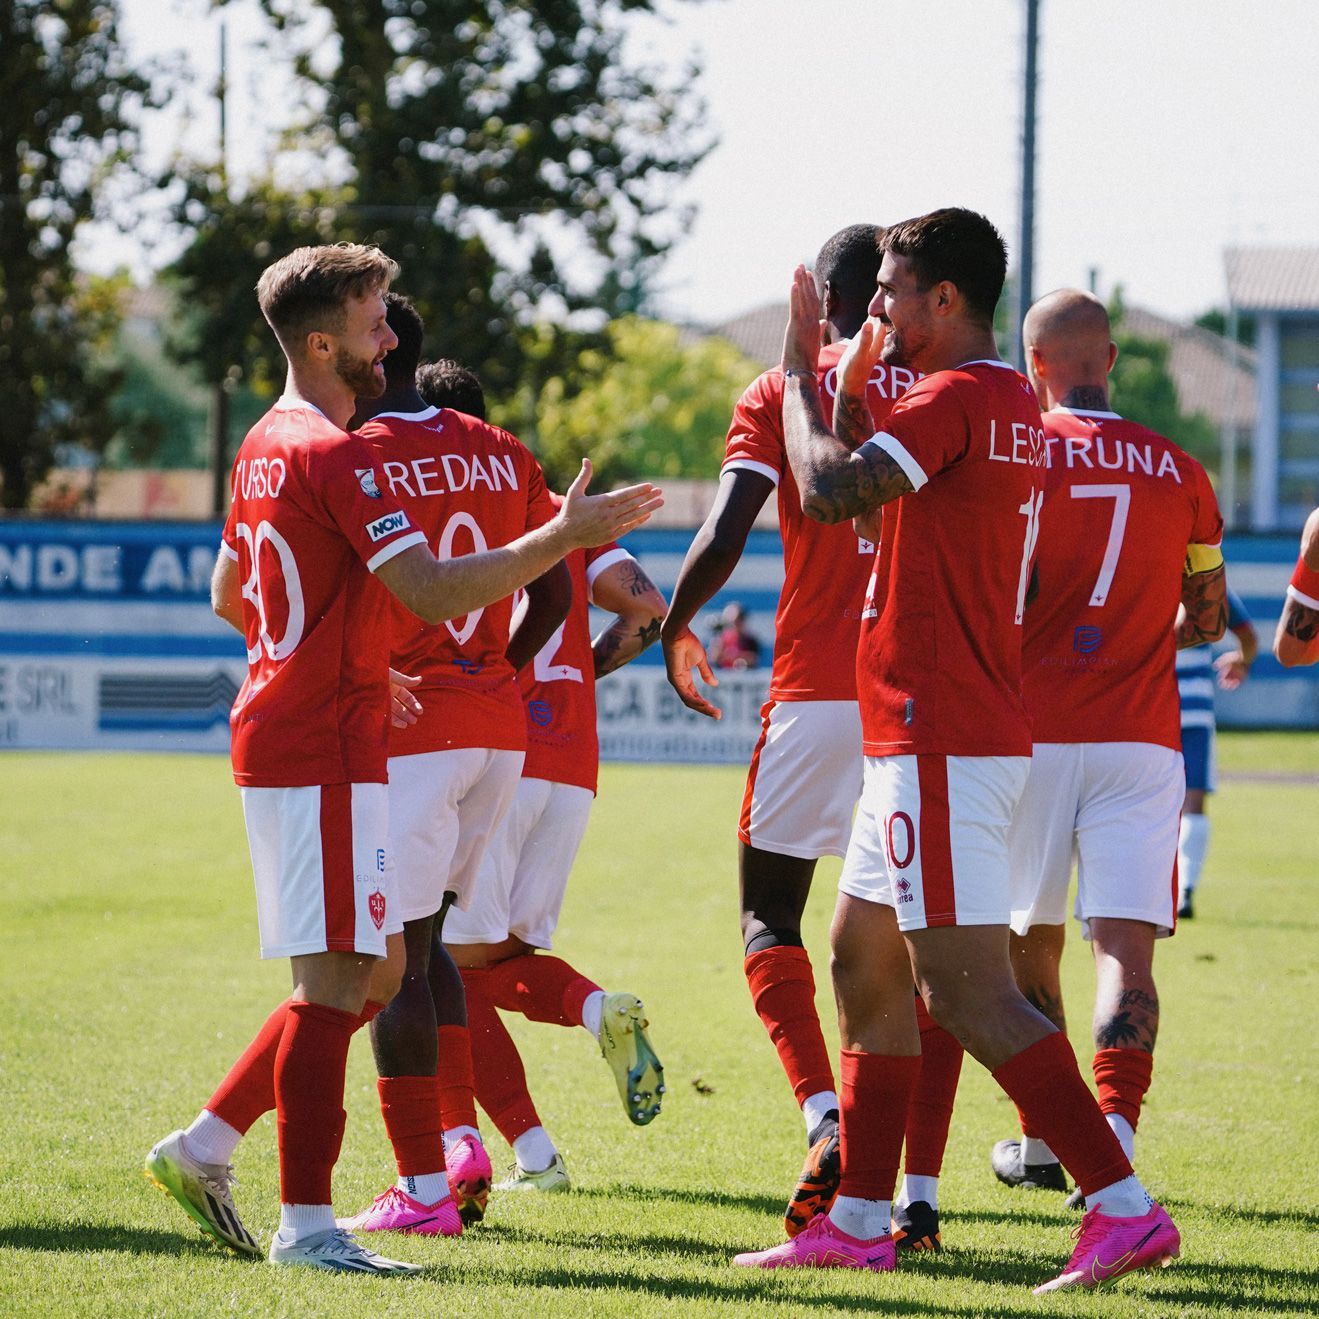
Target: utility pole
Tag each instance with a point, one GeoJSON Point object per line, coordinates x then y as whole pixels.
{"type": "Point", "coordinates": [1026, 242]}
{"type": "Point", "coordinates": [221, 388]}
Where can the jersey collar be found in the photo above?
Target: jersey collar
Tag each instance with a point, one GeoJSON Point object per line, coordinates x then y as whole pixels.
{"type": "Point", "coordinates": [424, 415]}
{"type": "Point", "coordinates": [1087, 412]}
{"type": "Point", "coordinates": [291, 403]}
{"type": "Point", "coordinates": [985, 361]}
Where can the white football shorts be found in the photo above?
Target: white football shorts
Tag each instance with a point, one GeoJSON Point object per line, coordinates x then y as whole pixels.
{"type": "Point", "coordinates": [805, 779]}
{"type": "Point", "coordinates": [324, 876]}
{"type": "Point", "coordinates": [931, 838]}
{"type": "Point", "coordinates": [524, 874]}
{"type": "Point", "coordinates": [443, 808]}
{"type": "Point", "coordinates": [1115, 808]}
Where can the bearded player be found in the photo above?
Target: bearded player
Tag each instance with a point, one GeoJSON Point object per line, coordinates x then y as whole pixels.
{"type": "Point", "coordinates": [309, 542]}
{"type": "Point", "coordinates": [1297, 640]}
{"type": "Point", "coordinates": [958, 471]}
{"type": "Point", "coordinates": [453, 770]}
{"type": "Point", "coordinates": [1130, 569]}
{"type": "Point", "coordinates": [805, 774]}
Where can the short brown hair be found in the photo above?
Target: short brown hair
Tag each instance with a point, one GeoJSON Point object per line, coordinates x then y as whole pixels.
{"type": "Point", "coordinates": [957, 245]}
{"type": "Point", "coordinates": [307, 289]}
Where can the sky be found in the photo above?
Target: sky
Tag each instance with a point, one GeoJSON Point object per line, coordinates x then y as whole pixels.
{"type": "Point", "coordinates": [1167, 132]}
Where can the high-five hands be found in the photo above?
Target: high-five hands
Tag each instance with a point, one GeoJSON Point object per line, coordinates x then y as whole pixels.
{"type": "Point", "coordinates": [590, 520]}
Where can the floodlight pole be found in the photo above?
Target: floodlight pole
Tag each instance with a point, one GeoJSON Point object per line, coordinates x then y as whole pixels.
{"type": "Point", "coordinates": [220, 388]}
{"type": "Point", "coordinates": [1026, 242]}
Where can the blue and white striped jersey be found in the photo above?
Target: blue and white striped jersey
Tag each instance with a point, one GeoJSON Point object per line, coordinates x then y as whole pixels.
{"type": "Point", "coordinates": [1195, 672]}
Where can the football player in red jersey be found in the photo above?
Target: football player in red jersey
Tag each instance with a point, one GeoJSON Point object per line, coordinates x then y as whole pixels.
{"type": "Point", "coordinates": [805, 774]}
{"type": "Point", "coordinates": [526, 868]}
{"type": "Point", "coordinates": [310, 539]}
{"type": "Point", "coordinates": [1129, 570]}
{"type": "Point", "coordinates": [454, 768]}
{"type": "Point", "coordinates": [958, 471]}
{"type": "Point", "coordinates": [1297, 640]}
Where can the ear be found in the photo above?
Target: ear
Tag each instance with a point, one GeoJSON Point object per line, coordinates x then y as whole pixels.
{"type": "Point", "coordinates": [319, 347]}
{"type": "Point", "coordinates": [1112, 355]}
{"type": "Point", "coordinates": [946, 297]}
{"type": "Point", "coordinates": [829, 301]}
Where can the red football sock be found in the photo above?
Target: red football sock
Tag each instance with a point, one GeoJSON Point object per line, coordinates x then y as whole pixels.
{"type": "Point", "coordinates": [783, 990]}
{"type": "Point", "coordinates": [248, 1090]}
{"type": "Point", "coordinates": [872, 1087]}
{"type": "Point", "coordinates": [1045, 1083]}
{"type": "Point", "coordinates": [540, 988]}
{"type": "Point", "coordinates": [309, 1081]}
{"type": "Point", "coordinates": [501, 1080]}
{"type": "Point", "coordinates": [931, 1108]}
{"type": "Point", "coordinates": [1122, 1077]}
{"type": "Point", "coordinates": [454, 1078]}
{"type": "Point", "coordinates": [410, 1106]}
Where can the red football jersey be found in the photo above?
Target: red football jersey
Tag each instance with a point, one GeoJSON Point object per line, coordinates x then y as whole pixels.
{"type": "Point", "coordinates": [309, 524]}
{"type": "Point", "coordinates": [939, 665]}
{"type": "Point", "coordinates": [825, 568]}
{"type": "Point", "coordinates": [1121, 506]}
{"type": "Point", "coordinates": [558, 686]}
{"type": "Point", "coordinates": [469, 487]}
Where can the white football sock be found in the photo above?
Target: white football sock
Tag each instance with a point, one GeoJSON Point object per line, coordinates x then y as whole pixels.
{"type": "Point", "coordinates": [1034, 1150]}
{"type": "Point", "coordinates": [592, 1010]}
{"type": "Point", "coordinates": [211, 1139]}
{"type": "Point", "coordinates": [815, 1108]}
{"type": "Point", "coordinates": [297, 1222]}
{"type": "Point", "coordinates": [427, 1188]}
{"type": "Point", "coordinates": [1122, 1129]}
{"type": "Point", "coordinates": [918, 1187]}
{"type": "Point", "coordinates": [534, 1150]}
{"type": "Point", "coordinates": [864, 1219]}
{"type": "Point", "coordinates": [455, 1134]}
{"type": "Point", "coordinates": [1124, 1199]}
{"type": "Point", "coordinates": [1192, 847]}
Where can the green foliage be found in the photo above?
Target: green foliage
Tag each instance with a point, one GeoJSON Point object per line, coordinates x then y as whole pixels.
{"type": "Point", "coordinates": [67, 109]}
{"type": "Point", "coordinates": [646, 404]}
{"type": "Point", "coordinates": [1216, 319]}
{"type": "Point", "coordinates": [513, 158]}
{"type": "Point", "coordinates": [1142, 388]}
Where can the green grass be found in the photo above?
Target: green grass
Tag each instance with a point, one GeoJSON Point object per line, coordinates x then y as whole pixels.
{"type": "Point", "coordinates": [130, 982]}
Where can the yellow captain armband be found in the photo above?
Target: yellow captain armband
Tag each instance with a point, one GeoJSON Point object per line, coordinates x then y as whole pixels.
{"type": "Point", "coordinates": [1203, 558]}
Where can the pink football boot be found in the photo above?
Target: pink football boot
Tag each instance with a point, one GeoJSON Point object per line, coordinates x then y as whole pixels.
{"type": "Point", "coordinates": [1107, 1248]}
{"type": "Point", "coordinates": [396, 1211]}
{"type": "Point", "coordinates": [820, 1245]}
{"type": "Point", "coordinates": [470, 1172]}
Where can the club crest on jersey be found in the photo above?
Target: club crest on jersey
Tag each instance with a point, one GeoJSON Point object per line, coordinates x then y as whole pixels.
{"type": "Point", "coordinates": [541, 713]}
{"type": "Point", "coordinates": [1086, 639]}
{"type": "Point", "coordinates": [388, 525]}
{"type": "Point", "coordinates": [366, 478]}
{"type": "Point", "coordinates": [375, 904]}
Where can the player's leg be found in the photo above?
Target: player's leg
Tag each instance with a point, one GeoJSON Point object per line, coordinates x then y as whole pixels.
{"type": "Point", "coordinates": [1193, 838]}
{"type": "Point", "coordinates": [801, 791]}
{"type": "Point", "coordinates": [1128, 840]}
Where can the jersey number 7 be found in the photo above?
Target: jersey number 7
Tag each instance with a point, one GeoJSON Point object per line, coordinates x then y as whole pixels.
{"type": "Point", "coordinates": [1121, 497]}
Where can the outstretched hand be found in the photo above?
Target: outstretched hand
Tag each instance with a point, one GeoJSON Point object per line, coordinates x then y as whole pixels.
{"type": "Point", "coordinates": [592, 520]}
{"type": "Point", "coordinates": [806, 331]}
{"type": "Point", "coordinates": [681, 655]}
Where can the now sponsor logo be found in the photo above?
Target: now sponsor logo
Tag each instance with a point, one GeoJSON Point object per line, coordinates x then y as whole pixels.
{"type": "Point", "coordinates": [387, 525]}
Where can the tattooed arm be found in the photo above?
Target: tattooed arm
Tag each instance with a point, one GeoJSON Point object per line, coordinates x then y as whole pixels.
{"type": "Point", "coordinates": [1297, 640]}
{"type": "Point", "coordinates": [835, 483]}
{"type": "Point", "coordinates": [1202, 614]}
{"type": "Point", "coordinates": [624, 589]}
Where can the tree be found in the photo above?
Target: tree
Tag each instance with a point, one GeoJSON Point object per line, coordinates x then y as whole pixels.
{"type": "Point", "coordinates": [1143, 388]}
{"type": "Point", "coordinates": [647, 404]}
{"type": "Point", "coordinates": [68, 104]}
{"type": "Point", "coordinates": [509, 155]}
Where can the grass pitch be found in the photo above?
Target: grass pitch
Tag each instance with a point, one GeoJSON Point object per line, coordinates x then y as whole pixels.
{"type": "Point", "coordinates": [130, 983]}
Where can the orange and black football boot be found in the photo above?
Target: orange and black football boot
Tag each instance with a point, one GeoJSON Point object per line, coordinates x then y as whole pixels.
{"type": "Point", "coordinates": [818, 1184]}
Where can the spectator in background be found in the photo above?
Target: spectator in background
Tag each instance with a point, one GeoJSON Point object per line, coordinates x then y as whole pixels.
{"type": "Point", "coordinates": [734, 645]}
{"type": "Point", "coordinates": [1196, 667]}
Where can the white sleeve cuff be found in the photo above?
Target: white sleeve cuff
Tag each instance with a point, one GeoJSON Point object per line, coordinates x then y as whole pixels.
{"type": "Point", "coordinates": [750, 465]}
{"type": "Point", "coordinates": [228, 550]}
{"type": "Point", "coordinates": [395, 547]}
{"type": "Point", "coordinates": [595, 568]}
{"type": "Point", "coordinates": [1301, 598]}
{"type": "Point", "coordinates": [896, 450]}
